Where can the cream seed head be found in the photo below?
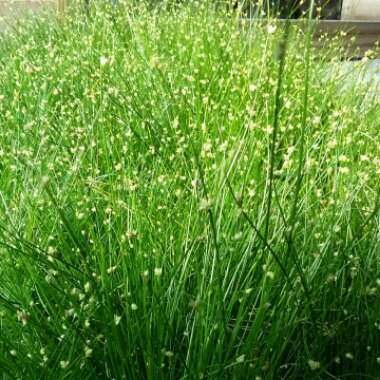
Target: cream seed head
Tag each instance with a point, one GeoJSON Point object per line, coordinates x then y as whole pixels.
{"type": "Point", "coordinates": [87, 287]}
{"type": "Point", "coordinates": [240, 359]}
{"type": "Point", "coordinates": [88, 352]}
{"type": "Point", "coordinates": [117, 319]}
{"type": "Point", "coordinates": [314, 365]}
{"type": "Point", "coordinates": [64, 364]}
{"type": "Point", "coordinates": [22, 316]}
{"type": "Point", "coordinates": [103, 60]}
{"type": "Point", "coordinates": [349, 356]}
{"type": "Point", "coordinates": [205, 204]}
{"type": "Point", "coordinates": [271, 28]}
{"type": "Point", "coordinates": [112, 269]}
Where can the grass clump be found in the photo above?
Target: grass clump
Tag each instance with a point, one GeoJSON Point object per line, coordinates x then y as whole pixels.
{"type": "Point", "coordinates": [184, 196]}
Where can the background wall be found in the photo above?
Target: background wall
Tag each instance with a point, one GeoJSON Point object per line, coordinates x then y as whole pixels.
{"type": "Point", "coordinates": [361, 10]}
{"type": "Point", "coordinates": [11, 10]}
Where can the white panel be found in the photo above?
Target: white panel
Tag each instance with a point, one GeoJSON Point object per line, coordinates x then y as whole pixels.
{"type": "Point", "coordinates": [361, 10]}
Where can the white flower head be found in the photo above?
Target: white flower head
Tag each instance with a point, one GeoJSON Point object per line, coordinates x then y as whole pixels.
{"type": "Point", "coordinates": [103, 61]}
{"type": "Point", "coordinates": [271, 28]}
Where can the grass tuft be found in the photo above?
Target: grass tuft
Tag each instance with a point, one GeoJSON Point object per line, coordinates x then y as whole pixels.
{"type": "Point", "coordinates": [185, 195]}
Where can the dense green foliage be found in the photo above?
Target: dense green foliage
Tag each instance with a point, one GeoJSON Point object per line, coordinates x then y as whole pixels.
{"type": "Point", "coordinates": [182, 197]}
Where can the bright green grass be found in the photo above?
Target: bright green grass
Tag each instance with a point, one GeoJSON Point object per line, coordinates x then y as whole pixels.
{"type": "Point", "coordinates": [181, 200]}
